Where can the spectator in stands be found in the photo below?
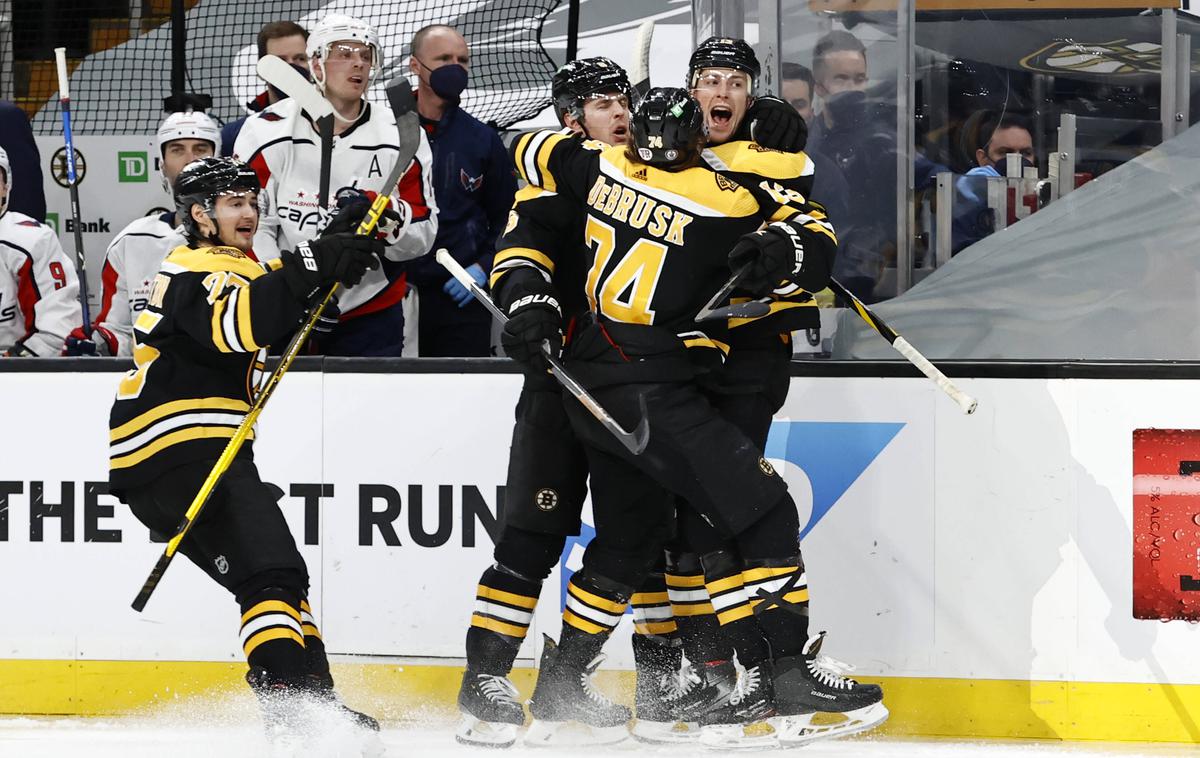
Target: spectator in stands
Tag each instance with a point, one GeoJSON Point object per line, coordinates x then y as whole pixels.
{"type": "Point", "coordinates": [474, 185]}
{"type": "Point", "coordinates": [797, 89]}
{"type": "Point", "coordinates": [39, 292]}
{"type": "Point", "coordinates": [858, 133]}
{"type": "Point", "coordinates": [286, 39]}
{"type": "Point", "coordinates": [16, 138]}
{"type": "Point", "coordinates": [994, 135]}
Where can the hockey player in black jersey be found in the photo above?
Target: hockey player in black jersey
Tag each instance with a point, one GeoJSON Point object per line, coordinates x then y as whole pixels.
{"type": "Point", "coordinates": [547, 473]}
{"type": "Point", "coordinates": [199, 349]}
{"type": "Point", "coordinates": [659, 228]}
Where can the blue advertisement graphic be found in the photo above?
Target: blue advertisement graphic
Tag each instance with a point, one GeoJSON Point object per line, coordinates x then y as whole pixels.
{"type": "Point", "coordinates": [832, 454]}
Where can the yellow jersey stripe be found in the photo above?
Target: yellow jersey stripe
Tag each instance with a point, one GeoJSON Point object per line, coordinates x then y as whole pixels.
{"type": "Point", "coordinates": [137, 423]}
{"type": "Point", "coordinates": [736, 613]}
{"type": "Point", "coordinates": [245, 332]}
{"type": "Point", "coordinates": [681, 582]}
{"type": "Point", "coordinates": [699, 609]}
{"type": "Point", "coordinates": [600, 603]}
{"type": "Point", "coordinates": [649, 598]}
{"type": "Point", "coordinates": [218, 316]}
{"type": "Point", "coordinates": [500, 627]}
{"type": "Point", "coordinates": [582, 624]}
{"type": "Point", "coordinates": [270, 606]}
{"type": "Point", "coordinates": [491, 593]}
{"type": "Point", "coordinates": [721, 585]}
{"type": "Point", "coordinates": [274, 633]}
{"type": "Point", "coordinates": [310, 630]}
{"type": "Point", "coordinates": [174, 438]}
{"type": "Point", "coordinates": [526, 253]}
{"type": "Point", "coordinates": [758, 574]}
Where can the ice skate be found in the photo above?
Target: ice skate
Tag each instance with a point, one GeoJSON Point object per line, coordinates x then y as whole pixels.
{"type": "Point", "coordinates": [491, 714]}
{"type": "Point", "coordinates": [664, 682]}
{"type": "Point", "coordinates": [567, 708]}
{"type": "Point", "coordinates": [816, 702]}
{"type": "Point", "coordinates": [302, 716]}
{"type": "Point", "coordinates": [741, 702]}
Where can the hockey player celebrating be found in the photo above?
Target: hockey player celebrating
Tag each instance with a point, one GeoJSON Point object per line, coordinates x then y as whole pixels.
{"type": "Point", "coordinates": [641, 292]}
{"type": "Point", "coordinates": [199, 346]}
{"type": "Point", "coordinates": [547, 473]}
{"type": "Point", "coordinates": [39, 290]}
{"type": "Point", "coordinates": [135, 254]}
{"type": "Point", "coordinates": [282, 145]}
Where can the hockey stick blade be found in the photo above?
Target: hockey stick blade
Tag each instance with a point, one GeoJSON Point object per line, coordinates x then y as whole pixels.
{"type": "Point", "coordinates": [281, 75]}
{"type": "Point", "coordinates": [641, 59]}
{"type": "Point", "coordinates": [399, 96]}
{"type": "Point", "coordinates": [717, 301]}
{"type": "Point", "coordinates": [748, 309]}
{"type": "Point", "coordinates": [635, 441]}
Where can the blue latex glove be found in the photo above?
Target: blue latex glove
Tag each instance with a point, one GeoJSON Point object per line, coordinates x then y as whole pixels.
{"type": "Point", "coordinates": [461, 294]}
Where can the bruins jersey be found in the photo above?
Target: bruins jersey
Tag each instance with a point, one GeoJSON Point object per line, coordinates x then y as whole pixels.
{"type": "Point", "coordinates": [657, 241]}
{"type": "Point", "coordinates": [787, 177]}
{"type": "Point", "coordinates": [199, 347]}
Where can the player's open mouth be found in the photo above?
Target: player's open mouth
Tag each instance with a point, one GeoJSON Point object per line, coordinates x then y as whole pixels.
{"type": "Point", "coordinates": [356, 80]}
{"type": "Point", "coordinates": [619, 132]}
{"type": "Point", "coordinates": [720, 116]}
{"type": "Point", "coordinates": [246, 229]}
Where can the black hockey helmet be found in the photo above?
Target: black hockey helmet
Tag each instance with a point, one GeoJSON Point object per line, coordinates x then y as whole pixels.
{"type": "Point", "coordinates": [724, 52]}
{"type": "Point", "coordinates": [667, 127]}
{"type": "Point", "coordinates": [202, 181]}
{"type": "Point", "coordinates": [577, 80]}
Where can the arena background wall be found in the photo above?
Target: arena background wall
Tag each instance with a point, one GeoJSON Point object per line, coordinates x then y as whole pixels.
{"type": "Point", "coordinates": [980, 567]}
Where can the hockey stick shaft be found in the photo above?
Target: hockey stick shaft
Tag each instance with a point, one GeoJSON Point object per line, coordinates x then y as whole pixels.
{"type": "Point", "coordinates": [967, 403]}
{"type": "Point", "coordinates": [641, 58]}
{"type": "Point", "coordinates": [634, 442]}
{"type": "Point", "coordinates": [64, 99]}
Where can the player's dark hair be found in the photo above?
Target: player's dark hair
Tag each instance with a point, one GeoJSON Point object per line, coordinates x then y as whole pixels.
{"type": "Point", "coordinates": [835, 42]}
{"type": "Point", "coordinates": [202, 181]}
{"type": "Point", "coordinates": [278, 30]}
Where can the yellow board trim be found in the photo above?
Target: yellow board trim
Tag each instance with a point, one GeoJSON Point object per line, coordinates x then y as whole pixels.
{"type": "Point", "coordinates": [962, 708]}
{"type": "Point", "coordinates": [270, 606]}
{"type": "Point", "coordinates": [500, 627]}
{"type": "Point", "coordinates": [137, 423]}
{"type": "Point", "coordinates": [491, 593]}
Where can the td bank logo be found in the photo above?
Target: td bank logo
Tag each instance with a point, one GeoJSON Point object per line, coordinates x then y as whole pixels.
{"type": "Point", "coordinates": [133, 166]}
{"type": "Point", "coordinates": [52, 222]}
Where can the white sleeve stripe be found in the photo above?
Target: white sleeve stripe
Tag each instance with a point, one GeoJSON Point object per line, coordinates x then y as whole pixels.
{"type": "Point", "coordinates": [229, 322]}
{"type": "Point", "coordinates": [531, 153]}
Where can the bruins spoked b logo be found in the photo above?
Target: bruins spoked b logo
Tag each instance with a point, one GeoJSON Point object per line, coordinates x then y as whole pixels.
{"type": "Point", "coordinates": [58, 167]}
{"type": "Point", "coordinates": [765, 466]}
{"type": "Point", "coordinates": [546, 499]}
{"type": "Point", "coordinates": [1120, 56]}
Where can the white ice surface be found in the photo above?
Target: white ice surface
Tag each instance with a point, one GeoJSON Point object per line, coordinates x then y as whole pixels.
{"type": "Point", "coordinates": [219, 735]}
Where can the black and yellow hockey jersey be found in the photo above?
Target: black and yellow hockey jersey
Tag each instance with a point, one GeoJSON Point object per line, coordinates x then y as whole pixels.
{"type": "Point", "coordinates": [657, 243]}
{"type": "Point", "coordinates": [199, 350]}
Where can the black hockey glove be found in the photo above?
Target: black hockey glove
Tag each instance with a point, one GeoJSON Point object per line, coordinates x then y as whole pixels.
{"type": "Point", "coordinates": [769, 256]}
{"type": "Point", "coordinates": [352, 205]}
{"type": "Point", "coordinates": [330, 258]}
{"type": "Point", "coordinates": [774, 123]}
{"type": "Point", "coordinates": [533, 318]}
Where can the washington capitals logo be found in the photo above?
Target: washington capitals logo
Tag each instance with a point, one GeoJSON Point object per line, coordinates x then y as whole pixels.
{"type": "Point", "coordinates": [469, 183]}
{"type": "Point", "coordinates": [1119, 56]}
{"type": "Point", "coordinates": [833, 455]}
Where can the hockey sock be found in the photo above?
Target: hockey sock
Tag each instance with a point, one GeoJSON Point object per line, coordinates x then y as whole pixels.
{"type": "Point", "coordinates": [726, 590]}
{"type": "Point", "coordinates": [504, 604]}
{"type": "Point", "coordinates": [316, 661]}
{"type": "Point", "coordinates": [778, 592]}
{"type": "Point", "coordinates": [272, 635]}
{"type": "Point", "coordinates": [652, 614]}
{"type": "Point", "coordinates": [594, 608]}
{"type": "Point", "coordinates": [693, 611]}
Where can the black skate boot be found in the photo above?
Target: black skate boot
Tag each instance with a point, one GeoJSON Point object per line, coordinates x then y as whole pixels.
{"type": "Point", "coordinates": [741, 701]}
{"type": "Point", "coordinates": [816, 702]}
{"type": "Point", "coordinates": [296, 712]}
{"type": "Point", "coordinates": [565, 697]}
{"type": "Point", "coordinates": [658, 697]}
{"type": "Point", "coordinates": [491, 714]}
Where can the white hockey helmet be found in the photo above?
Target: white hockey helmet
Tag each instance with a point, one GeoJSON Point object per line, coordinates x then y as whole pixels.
{"type": "Point", "coordinates": [186, 125]}
{"type": "Point", "coordinates": [6, 167]}
{"type": "Point", "coordinates": [337, 27]}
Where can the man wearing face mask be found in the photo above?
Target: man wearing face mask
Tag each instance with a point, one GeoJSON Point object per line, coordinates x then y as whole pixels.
{"type": "Point", "coordinates": [474, 184]}
{"type": "Point", "coordinates": [994, 136]}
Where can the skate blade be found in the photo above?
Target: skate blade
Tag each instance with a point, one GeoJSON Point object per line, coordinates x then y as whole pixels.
{"type": "Point", "coordinates": [665, 732]}
{"type": "Point", "coordinates": [472, 731]}
{"type": "Point", "coordinates": [759, 735]}
{"type": "Point", "coordinates": [572, 734]}
{"type": "Point", "coordinates": [799, 730]}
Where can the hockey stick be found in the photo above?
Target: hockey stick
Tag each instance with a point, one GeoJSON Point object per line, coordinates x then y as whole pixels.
{"type": "Point", "coordinates": [64, 99]}
{"type": "Point", "coordinates": [965, 401]}
{"type": "Point", "coordinates": [713, 309]}
{"type": "Point", "coordinates": [641, 59]}
{"type": "Point", "coordinates": [635, 441]}
{"type": "Point", "coordinates": [409, 141]}
{"type": "Point", "coordinates": [281, 75]}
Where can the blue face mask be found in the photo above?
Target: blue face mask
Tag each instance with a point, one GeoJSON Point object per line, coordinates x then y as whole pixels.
{"type": "Point", "coordinates": [448, 81]}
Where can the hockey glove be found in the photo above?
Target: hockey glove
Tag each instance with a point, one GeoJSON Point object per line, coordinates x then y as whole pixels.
{"type": "Point", "coordinates": [333, 258]}
{"type": "Point", "coordinates": [458, 292]}
{"type": "Point", "coordinates": [102, 342]}
{"type": "Point", "coordinates": [352, 205]}
{"type": "Point", "coordinates": [774, 123]}
{"type": "Point", "coordinates": [769, 256]}
{"type": "Point", "coordinates": [533, 318]}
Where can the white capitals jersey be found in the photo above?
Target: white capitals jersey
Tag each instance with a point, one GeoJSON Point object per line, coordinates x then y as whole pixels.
{"type": "Point", "coordinates": [39, 291]}
{"type": "Point", "coordinates": [284, 149]}
{"type": "Point", "coordinates": [133, 259]}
